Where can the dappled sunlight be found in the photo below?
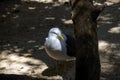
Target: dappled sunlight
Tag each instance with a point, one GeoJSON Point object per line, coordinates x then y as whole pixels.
{"type": "Point", "coordinates": [107, 67]}
{"type": "Point", "coordinates": [109, 42]}
{"type": "Point", "coordinates": [16, 16]}
{"type": "Point", "coordinates": [31, 8]}
{"type": "Point", "coordinates": [108, 25]}
{"type": "Point", "coordinates": [31, 41]}
{"type": "Point", "coordinates": [103, 45]}
{"type": "Point", "coordinates": [15, 64]}
{"type": "Point", "coordinates": [106, 19]}
{"type": "Point", "coordinates": [114, 30]}
{"type": "Point", "coordinates": [67, 21]}
{"type": "Point", "coordinates": [50, 18]}
{"type": "Point", "coordinates": [109, 56]}
{"type": "Point", "coordinates": [47, 1]}
{"type": "Point", "coordinates": [15, 6]}
{"type": "Point", "coordinates": [107, 47]}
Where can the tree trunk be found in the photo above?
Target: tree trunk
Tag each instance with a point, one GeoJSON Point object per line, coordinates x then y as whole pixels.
{"type": "Point", "coordinates": [84, 16]}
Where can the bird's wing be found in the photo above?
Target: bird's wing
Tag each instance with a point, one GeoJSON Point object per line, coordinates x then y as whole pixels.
{"type": "Point", "coordinates": [70, 44]}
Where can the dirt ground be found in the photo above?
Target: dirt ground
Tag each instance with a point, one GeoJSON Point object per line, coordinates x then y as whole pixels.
{"type": "Point", "coordinates": [24, 24]}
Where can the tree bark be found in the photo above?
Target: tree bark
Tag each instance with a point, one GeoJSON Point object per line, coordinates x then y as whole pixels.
{"type": "Point", "coordinates": [84, 15]}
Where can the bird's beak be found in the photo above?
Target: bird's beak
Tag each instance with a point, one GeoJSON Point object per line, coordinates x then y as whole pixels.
{"type": "Point", "coordinates": [60, 37]}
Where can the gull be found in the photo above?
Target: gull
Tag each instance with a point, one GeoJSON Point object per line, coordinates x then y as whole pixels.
{"type": "Point", "coordinates": [60, 46]}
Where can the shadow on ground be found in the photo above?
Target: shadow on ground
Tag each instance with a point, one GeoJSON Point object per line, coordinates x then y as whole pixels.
{"type": "Point", "coordinates": [109, 42]}
{"type": "Point", "coordinates": [17, 77]}
{"type": "Point", "coordinates": [23, 28]}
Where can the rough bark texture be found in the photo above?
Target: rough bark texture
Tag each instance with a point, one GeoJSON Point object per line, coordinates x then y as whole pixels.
{"type": "Point", "coordinates": [84, 16]}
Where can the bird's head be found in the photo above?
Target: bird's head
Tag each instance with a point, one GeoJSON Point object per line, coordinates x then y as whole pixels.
{"type": "Point", "coordinates": [56, 32]}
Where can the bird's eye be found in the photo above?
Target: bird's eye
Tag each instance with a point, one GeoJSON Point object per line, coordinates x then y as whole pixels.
{"type": "Point", "coordinates": [53, 33]}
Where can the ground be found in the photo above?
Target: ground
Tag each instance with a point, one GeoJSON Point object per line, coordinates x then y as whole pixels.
{"type": "Point", "coordinates": [24, 24]}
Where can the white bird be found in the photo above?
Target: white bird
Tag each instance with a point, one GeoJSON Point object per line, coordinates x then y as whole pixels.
{"type": "Point", "coordinates": [59, 46]}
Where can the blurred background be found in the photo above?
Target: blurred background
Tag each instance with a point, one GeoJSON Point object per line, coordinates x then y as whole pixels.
{"type": "Point", "coordinates": [24, 25]}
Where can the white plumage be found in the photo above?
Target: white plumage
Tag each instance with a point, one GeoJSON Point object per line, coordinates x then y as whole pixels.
{"type": "Point", "coordinates": [56, 45]}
